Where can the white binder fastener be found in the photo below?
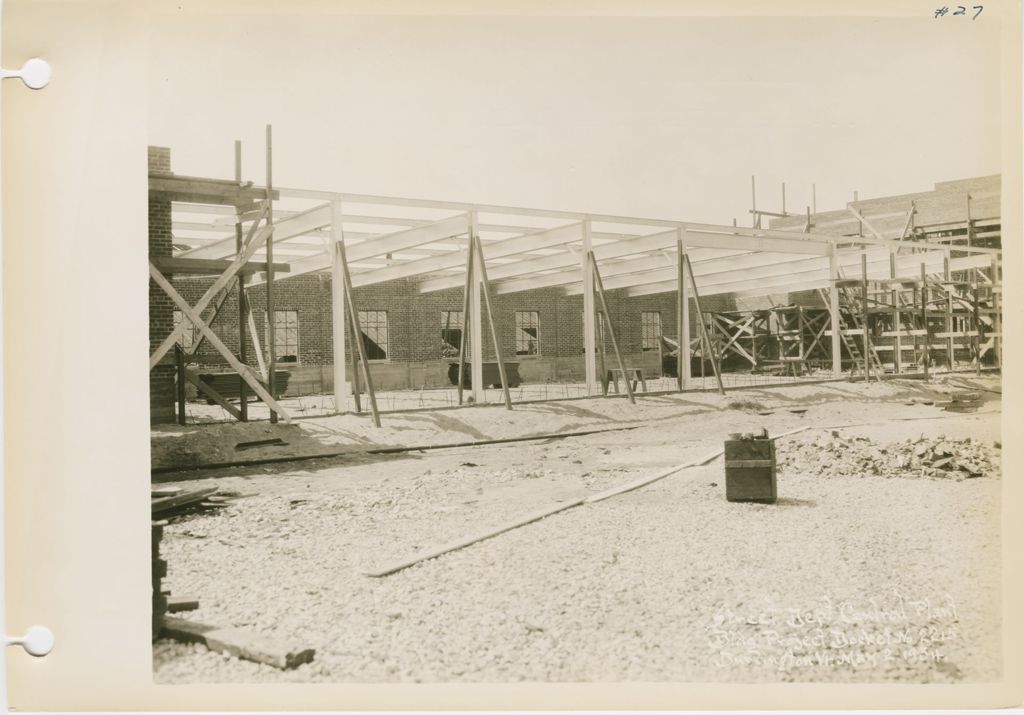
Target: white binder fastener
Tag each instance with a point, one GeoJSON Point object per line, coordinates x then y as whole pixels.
{"type": "Point", "coordinates": [35, 73]}
{"type": "Point", "coordinates": [37, 641]}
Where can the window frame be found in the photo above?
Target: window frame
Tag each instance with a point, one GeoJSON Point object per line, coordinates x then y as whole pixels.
{"type": "Point", "coordinates": [459, 326]}
{"type": "Point", "coordinates": [518, 329]}
{"type": "Point", "coordinates": [644, 333]}
{"type": "Point", "coordinates": [298, 342]}
{"type": "Point", "coordinates": [362, 314]}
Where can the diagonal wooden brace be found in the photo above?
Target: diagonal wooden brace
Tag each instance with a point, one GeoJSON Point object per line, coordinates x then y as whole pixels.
{"type": "Point", "coordinates": [243, 370]}
{"type": "Point", "coordinates": [198, 343]}
{"type": "Point", "coordinates": [213, 395]}
{"type": "Point", "coordinates": [254, 242]}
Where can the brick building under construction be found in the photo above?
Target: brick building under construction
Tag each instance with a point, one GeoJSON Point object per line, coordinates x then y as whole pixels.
{"type": "Point", "coordinates": [895, 284]}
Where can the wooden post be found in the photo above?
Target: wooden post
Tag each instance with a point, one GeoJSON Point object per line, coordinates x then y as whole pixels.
{"type": "Point", "coordinates": [353, 354]}
{"type": "Point", "coordinates": [924, 320]}
{"type": "Point", "coordinates": [864, 314]}
{"type": "Point", "coordinates": [354, 317]}
{"type": "Point", "coordinates": [192, 314]}
{"type": "Point", "coordinates": [917, 341]}
{"type": "Point", "coordinates": [685, 361]}
{"type": "Point", "coordinates": [860, 224]}
{"type": "Point", "coordinates": [976, 338]}
{"type": "Point", "coordinates": [833, 309]}
{"type": "Point", "coordinates": [254, 334]}
{"type": "Point", "coordinates": [611, 328]}
{"type": "Point", "coordinates": [997, 318]}
{"type": "Point", "coordinates": [755, 217]}
{"type": "Point", "coordinates": [950, 343]}
{"type": "Point", "coordinates": [703, 327]}
{"type": "Point", "coordinates": [682, 354]}
{"type": "Point", "coordinates": [897, 344]}
{"type": "Point", "coordinates": [970, 222]}
{"type": "Point", "coordinates": [801, 327]}
{"type": "Point", "coordinates": [463, 342]}
{"type": "Point", "coordinates": [179, 362]}
{"type": "Point", "coordinates": [490, 311]}
{"type": "Point", "coordinates": [243, 398]}
{"type": "Point", "coordinates": [338, 317]}
{"type": "Point", "coordinates": [253, 241]}
{"type": "Point", "coordinates": [476, 335]}
{"type": "Point", "coordinates": [271, 327]}
{"type": "Point", "coordinates": [589, 314]}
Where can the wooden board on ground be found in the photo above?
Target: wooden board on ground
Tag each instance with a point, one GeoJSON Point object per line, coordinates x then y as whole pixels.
{"type": "Point", "coordinates": [182, 603]}
{"type": "Point", "coordinates": [238, 642]}
{"type": "Point", "coordinates": [191, 497]}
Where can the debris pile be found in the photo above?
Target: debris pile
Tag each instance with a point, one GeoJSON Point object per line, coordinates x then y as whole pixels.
{"type": "Point", "coordinates": [830, 454]}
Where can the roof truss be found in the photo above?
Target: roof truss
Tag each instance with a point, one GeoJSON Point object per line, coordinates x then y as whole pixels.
{"type": "Point", "coordinates": [393, 238]}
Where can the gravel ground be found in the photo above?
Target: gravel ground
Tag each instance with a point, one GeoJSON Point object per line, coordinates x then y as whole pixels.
{"type": "Point", "coordinates": [848, 578]}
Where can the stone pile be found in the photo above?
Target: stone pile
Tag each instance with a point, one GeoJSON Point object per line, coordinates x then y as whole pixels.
{"type": "Point", "coordinates": [831, 454]}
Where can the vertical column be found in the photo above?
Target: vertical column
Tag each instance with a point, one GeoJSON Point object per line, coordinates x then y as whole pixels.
{"type": "Point", "coordinates": [926, 357]}
{"type": "Point", "coordinates": [243, 397]}
{"type": "Point", "coordinates": [970, 221]}
{"type": "Point", "coordinates": [476, 333]}
{"type": "Point", "coordinates": [897, 343]}
{"type": "Point", "coordinates": [339, 326]}
{"type": "Point", "coordinates": [755, 217]}
{"type": "Point", "coordinates": [589, 313]}
{"type": "Point", "coordinates": [685, 357]}
{"type": "Point", "coordinates": [864, 314]}
{"type": "Point", "coordinates": [947, 286]}
{"type": "Point", "coordinates": [976, 338]}
{"type": "Point", "coordinates": [860, 224]}
{"type": "Point", "coordinates": [179, 383]}
{"type": "Point", "coordinates": [679, 309]}
{"type": "Point", "coordinates": [833, 310]}
{"type": "Point", "coordinates": [997, 316]}
{"type": "Point", "coordinates": [271, 346]}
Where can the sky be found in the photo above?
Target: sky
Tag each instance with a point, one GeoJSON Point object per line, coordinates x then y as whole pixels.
{"type": "Point", "coordinates": [653, 117]}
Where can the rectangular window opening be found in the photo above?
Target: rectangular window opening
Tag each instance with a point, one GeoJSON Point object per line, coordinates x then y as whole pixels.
{"type": "Point", "coordinates": [650, 331]}
{"type": "Point", "coordinates": [527, 332]}
{"type": "Point", "coordinates": [451, 333]}
{"type": "Point", "coordinates": [374, 326]}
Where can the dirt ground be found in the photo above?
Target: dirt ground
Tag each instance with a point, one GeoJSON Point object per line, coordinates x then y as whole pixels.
{"type": "Point", "coordinates": [849, 577]}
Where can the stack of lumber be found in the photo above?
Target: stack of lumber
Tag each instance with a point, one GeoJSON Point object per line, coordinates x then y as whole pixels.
{"type": "Point", "coordinates": [965, 402]}
{"type": "Point", "coordinates": [174, 501]}
{"type": "Point", "coordinates": [159, 571]}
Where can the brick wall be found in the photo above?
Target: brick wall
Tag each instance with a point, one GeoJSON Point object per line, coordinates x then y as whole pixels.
{"type": "Point", "coordinates": [161, 309]}
{"type": "Point", "coordinates": [415, 355]}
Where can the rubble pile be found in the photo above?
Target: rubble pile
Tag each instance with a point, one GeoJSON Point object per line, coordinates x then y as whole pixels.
{"type": "Point", "coordinates": [830, 454]}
